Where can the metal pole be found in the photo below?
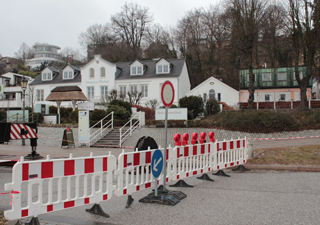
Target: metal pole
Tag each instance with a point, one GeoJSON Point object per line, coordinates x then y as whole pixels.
{"type": "Point", "coordinates": [165, 151]}
{"type": "Point", "coordinates": [23, 117]}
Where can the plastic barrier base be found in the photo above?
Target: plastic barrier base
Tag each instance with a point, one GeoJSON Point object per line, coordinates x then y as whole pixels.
{"type": "Point", "coordinates": [205, 177]}
{"type": "Point", "coordinates": [96, 209]}
{"type": "Point", "coordinates": [33, 221]}
{"type": "Point", "coordinates": [221, 173]}
{"type": "Point", "coordinates": [181, 183]}
{"type": "Point", "coordinates": [241, 168]}
{"type": "Point", "coordinates": [129, 201]}
{"type": "Point", "coordinates": [164, 197]}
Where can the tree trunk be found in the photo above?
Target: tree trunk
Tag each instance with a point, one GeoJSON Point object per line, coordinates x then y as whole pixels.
{"type": "Point", "coordinates": [251, 83]}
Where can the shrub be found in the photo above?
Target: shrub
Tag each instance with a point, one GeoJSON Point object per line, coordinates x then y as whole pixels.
{"type": "Point", "coordinates": [53, 109]}
{"type": "Point", "coordinates": [126, 105]}
{"type": "Point", "coordinates": [73, 116]}
{"type": "Point", "coordinates": [149, 112]}
{"type": "Point", "coordinates": [194, 105]}
{"type": "Point", "coordinates": [256, 121]}
{"type": "Point", "coordinates": [38, 116]}
{"type": "Point", "coordinates": [212, 107]}
{"type": "Point", "coordinates": [96, 116]}
{"type": "Point", "coordinates": [119, 112]}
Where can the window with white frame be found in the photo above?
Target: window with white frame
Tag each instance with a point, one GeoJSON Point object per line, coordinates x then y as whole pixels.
{"type": "Point", "coordinates": [267, 97]}
{"type": "Point", "coordinates": [282, 76]}
{"type": "Point", "coordinates": [90, 93]}
{"type": "Point", "coordinates": [104, 91]}
{"type": "Point", "coordinates": [49, 76]}
{"type": "Point", "coordinates": [40, 95]}
{"type": "Point", "coordinates": [266, 77]}
{"type": "Point", "coordinates": [65, 75]}
{"type": "Point", "coordinates": [204, 97]}
{"type": "Point", "coordinates": [102, 72]}
{"type": "Point", "coordinates": [70, 74]}
{"type": "Point", "coordinates": [133, 89]}
{"type": "Point", "coordinates": [144, 90]}
{"type": "Point", "coordinates": [91, 73]}
{"type": "Point", "coordinates": [136, 70]}
{"type": "Point", "coordinates": [282, 97]}
{"type": "Point", "coordinates": [122, 90]}
{"type": "Point", "coordinates": [162, 69]}
{"type": "Point", "coordinates": [44, 76]}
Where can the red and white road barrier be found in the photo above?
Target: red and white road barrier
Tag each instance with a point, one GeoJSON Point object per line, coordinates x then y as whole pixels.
{"type": "Point", "coordinates": [56, 184]}
{"type": "Point", "coordinates": [190, 160]}
{"type": "Point", "coordinates": [134, 172]}
{"type": "Point", "coordinates": [230, 153]}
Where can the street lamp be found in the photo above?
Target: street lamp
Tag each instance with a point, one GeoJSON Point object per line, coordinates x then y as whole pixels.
{"type": "Point", "coordinates": [24, 83]}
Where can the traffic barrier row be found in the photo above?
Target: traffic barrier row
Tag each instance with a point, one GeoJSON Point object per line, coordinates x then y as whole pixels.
{"type": "Point", "coordinates": [55, 184]}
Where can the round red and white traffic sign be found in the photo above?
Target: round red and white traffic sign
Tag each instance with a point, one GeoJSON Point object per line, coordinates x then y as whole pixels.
{"type": "Point", "coordinates": [167, 93]}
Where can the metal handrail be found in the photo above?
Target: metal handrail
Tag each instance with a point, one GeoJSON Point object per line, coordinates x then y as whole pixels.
{"type": "Point", "coordinates": [98, 134]}
{"type": "Point", "coordinates": [131, 129]}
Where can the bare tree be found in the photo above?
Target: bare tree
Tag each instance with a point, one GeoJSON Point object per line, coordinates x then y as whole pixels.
{"type": "Point", "coordinates": [305, 30]}
{"type": "Point", "coordinates": [131, 25]}
{"type": "Point", "coordinates": [153, 103]}
{"type": "Point", "coordinates": [217, 24]}
{"type": "Point", "coordinates": [24, 52]}
{"type": "Point", "coordinates": [96, 38]}
{"type": "Point", "coordinates": [135, 97]}
{"type": "Point", "coordinates": [247, 19]}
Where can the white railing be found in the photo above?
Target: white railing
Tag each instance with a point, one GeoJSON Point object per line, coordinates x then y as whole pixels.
{"type": "Point", "coordinates": [133, 126]}
{"type": "Point", "coordinates": [95, 134]}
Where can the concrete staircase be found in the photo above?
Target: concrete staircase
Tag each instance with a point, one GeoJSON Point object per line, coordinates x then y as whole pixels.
{"type": "Point", "coordinates": [111, 139]}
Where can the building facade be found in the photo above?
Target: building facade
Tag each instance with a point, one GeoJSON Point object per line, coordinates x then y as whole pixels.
{"type": "Point", "coordinates": [11, 94]}
{"type": "Point", "coordinates": [214, 88]}
{"type": "Point", "coordinates": [99, 77]}
{"type": "Point", "coordinates": [273, 84]}
{"type": "Point", "coordinates": [45, 53]}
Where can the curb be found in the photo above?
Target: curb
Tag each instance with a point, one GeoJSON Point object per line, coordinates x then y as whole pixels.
{"type": "Point", "coordinates": [298, 168]}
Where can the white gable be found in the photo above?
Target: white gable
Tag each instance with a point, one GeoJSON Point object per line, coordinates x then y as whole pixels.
{"type": "Point", "coordinates": [163, 66]}
{"type": "Point", "coordinates": [136, 68]}
{"type": "Point", "coordinates": [214, 87]}
{"type": "Point", "coordinates": [46, 74]}
{"type": "Point", "coordinates": [67, 73]}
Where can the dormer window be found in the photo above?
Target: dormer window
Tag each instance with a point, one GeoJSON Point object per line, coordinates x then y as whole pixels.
{"type": "Point", "coordinates": [136, 70]}
{"type": "Point", "coordinates": [46, 76]}
{"type": "Point", "coordinates": [163, 66]}
{"type": "Point", "coordinates": [68, 75]}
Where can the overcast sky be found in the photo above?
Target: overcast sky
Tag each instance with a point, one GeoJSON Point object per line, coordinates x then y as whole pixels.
{"type": "Point", "coordinates": [59, 22]}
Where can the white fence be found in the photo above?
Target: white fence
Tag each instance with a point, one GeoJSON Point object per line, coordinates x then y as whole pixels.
{"type": "Point", "coordinates": [55, 184]}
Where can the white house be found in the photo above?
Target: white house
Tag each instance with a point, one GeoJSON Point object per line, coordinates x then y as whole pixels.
{"type": "Point", "coordinates": [214, 88]}
{"type": "Point", "coordinates": [11, 93]}
{"type": "Point", "coordinates": [52, 77]}
{"type": "Point", "coordinates": [98, 77]}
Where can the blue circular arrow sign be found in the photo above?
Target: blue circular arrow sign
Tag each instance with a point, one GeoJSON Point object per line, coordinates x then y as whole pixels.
{"type": "Point", "coordinates": [156, 163]}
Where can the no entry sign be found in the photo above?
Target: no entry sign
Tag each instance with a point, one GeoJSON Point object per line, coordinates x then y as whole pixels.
{"type": "Point", "coordinates": [167, 93]}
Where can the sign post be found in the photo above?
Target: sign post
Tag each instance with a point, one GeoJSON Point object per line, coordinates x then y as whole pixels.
{"type": "Point", "coordinates": [156, 167]}
{"type": "Point", "coordinates": [167, 96]}
{"type": "Point", "coordinates": [165, 196]}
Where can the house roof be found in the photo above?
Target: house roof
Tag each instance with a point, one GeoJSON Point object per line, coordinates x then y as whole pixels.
{"type": "Point", "coordinates": [150, 72]}
{"type": "Point", "coordinates": [58, 78]}
{"type": "Point", "coordinates": [66, 93]}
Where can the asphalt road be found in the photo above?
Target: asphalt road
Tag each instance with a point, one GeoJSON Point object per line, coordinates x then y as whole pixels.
{"type": "Point", "coordinates": [243, 198]}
